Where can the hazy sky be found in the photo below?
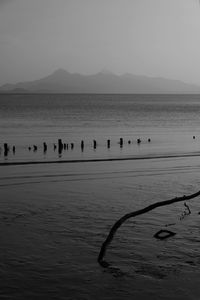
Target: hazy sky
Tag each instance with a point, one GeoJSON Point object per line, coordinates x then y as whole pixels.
{"type": "Point", "coordinates": [150, 37]}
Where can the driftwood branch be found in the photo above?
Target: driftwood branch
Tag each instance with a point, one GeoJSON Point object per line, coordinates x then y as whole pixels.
{"type": "Point", "coordinates": [117, 224]}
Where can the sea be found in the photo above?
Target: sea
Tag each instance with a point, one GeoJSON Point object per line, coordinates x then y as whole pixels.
{"type": "Point", "coordinates": [58, 203]}
{"type": "Point", "coordinates": [169, 121]}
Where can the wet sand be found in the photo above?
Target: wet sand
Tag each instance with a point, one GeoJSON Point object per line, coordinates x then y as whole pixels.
{"type": "Point", "coordinates": [54, 218]}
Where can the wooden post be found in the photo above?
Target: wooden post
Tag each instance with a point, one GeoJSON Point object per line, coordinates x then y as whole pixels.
{"type": "Point", "coordinates": [6, 149]}
{"type": "Point", "coordinates": [82, 146]}
{"type": "Point", "coordinates": [60, 146]}
{"type": "Point", "coordinates": [108, 144]}
{"type": "Point", "coordinates": [45, 147]}
{"type": "Point", "coordinates": [121, 142]}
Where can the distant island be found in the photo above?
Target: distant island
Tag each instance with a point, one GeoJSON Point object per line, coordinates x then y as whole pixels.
{"type": "Point", "coordinates": [61, 81]}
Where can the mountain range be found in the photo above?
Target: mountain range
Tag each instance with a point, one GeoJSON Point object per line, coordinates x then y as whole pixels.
{"type": "Point", "coordinates": [61, 81]}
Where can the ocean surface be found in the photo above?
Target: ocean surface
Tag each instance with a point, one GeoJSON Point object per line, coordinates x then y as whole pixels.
{"type": "Point", "coordinates": [170, 121]}
{"type": "Point", "coordinates": [56, 208]}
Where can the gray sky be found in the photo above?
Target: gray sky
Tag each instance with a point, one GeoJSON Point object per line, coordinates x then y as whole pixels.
{"type": "Point", "coordinates": [150, 37]}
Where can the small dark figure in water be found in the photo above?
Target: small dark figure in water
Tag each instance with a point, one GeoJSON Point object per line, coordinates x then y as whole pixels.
{"type": "Point", "coordinates": [13, 149]}
{"type": "Point", "coordinates": [138, 141]}
{"type": "Point", "coordinates": [29, 148]}
{"type": "Point", "coordinates": [129, 142]}
{"type": "Point", "coordinates": [149, 140]}
{"type": "Point", "coordinates": [94, 144]}
{"type": "Point", "coordinates": [194, 137]}
{"type": "Point", "coordinates": [72, 146]}
{"type": "Point", "coordinates": [54, 147]}
{"type": "Point", "coordinates": [34, 148]}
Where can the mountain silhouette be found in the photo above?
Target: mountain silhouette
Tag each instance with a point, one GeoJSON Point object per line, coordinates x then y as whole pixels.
{"type": "Point", "coordinates": [61, 81]}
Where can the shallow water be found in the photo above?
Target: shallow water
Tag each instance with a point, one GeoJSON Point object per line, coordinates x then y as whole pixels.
{"type": "Point", "coordinates": [170, 121]}
{"type": "Point", "coordinates": [55, 217]}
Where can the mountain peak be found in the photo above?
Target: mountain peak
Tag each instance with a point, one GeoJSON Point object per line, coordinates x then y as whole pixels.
{"type": "Point", "coordinates": [106, 72]}
{"type": "Point", "coordinates": [60, 72]}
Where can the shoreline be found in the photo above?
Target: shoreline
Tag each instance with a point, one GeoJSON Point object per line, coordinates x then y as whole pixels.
{"type": "Point", "coordinates": [166, 156]}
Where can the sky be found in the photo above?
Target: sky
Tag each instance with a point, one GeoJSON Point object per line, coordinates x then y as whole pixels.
{"type": "Point", "coordinates": [158, 38]}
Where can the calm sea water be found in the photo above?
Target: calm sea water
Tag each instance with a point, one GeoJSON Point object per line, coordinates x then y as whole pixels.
{"type": "Point", "coordinates": [170, 121]}
{"type": "Point", "coordinates": [55, 217]}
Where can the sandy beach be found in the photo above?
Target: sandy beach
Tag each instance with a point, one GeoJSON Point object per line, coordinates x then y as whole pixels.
{"type": "Point", "coordinates": [54, 218]}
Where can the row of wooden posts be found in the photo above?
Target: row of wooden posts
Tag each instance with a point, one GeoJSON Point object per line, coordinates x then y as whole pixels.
{"type": "Point", "coordinates": [64, 146]}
